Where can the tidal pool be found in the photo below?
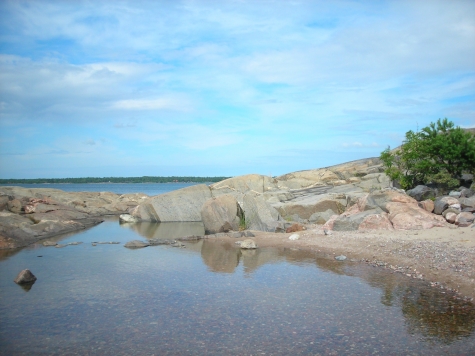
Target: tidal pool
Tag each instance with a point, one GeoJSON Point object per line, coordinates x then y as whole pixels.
{"type": "Point", "coordinates": [210, 298]}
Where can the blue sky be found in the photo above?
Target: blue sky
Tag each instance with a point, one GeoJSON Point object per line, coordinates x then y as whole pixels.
{"type": "Point", "coordinates": [213, 88]}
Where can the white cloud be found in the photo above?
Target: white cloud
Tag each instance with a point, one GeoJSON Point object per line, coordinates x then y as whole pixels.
{"type": "Point", "coordinates": [152, 104]}
{"type": "Point", "coordinates": [207, 78]}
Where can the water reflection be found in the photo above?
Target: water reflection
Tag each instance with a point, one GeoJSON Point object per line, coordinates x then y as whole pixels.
{"type": "Point", "coordinates": [434, 315]}
{"type": "Point", "coordinates": [428, 311]}
{"type": "Point", "coordinates": [214, 298]}
{"type": "Point", "coordinates": [167, 230]}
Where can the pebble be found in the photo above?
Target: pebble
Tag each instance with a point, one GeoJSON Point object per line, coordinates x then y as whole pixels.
{"type": "Point", "coordinates": [294, 237]}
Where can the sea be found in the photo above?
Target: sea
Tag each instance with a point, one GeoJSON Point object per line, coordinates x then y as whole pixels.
{"type": "Point", "coordinates": [208, 297]}
{"type": "Point", "coordinates": [150, 189]}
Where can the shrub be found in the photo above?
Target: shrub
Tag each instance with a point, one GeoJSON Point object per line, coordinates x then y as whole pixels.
{"type": "Point", "coordinates": [439, 153]}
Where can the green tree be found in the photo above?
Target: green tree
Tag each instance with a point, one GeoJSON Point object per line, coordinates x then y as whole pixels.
{"type": "Point", "coordinates": [439, 153]}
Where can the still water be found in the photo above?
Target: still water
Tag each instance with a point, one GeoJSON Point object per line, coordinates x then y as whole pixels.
{"type": "Point", "coordinates": [210, 298]}
{"type": "Point", "coordinates": [118, 188]}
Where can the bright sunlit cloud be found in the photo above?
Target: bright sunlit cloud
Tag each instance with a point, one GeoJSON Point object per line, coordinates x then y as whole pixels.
{"type": "Point", "coordinates": [224, 88]}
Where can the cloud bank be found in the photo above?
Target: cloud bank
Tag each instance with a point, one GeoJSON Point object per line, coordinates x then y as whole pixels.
{"type": "Point", "coordinates": [224, 88]}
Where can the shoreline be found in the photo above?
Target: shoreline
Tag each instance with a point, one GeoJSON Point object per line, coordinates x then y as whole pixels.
{"type": "Point", "coordinates": [442, 256]}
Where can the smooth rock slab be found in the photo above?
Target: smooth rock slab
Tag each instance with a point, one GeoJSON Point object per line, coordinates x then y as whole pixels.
{"type": "Point", "coordinates": [25, 277]}
{"type": "Point", "coordinates": [340, 258]}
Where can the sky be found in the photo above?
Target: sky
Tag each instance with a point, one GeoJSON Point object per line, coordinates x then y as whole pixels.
{"type": "Point", "coordinates": [224, 88]}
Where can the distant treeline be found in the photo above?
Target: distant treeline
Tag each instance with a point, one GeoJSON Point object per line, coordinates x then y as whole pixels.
{"type": "Point", "coordinates": [145, 179]}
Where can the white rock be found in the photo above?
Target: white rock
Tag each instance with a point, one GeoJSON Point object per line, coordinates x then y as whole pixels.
{"type": "Point", "coordinates": [294, 237]}
{"type": "Point", "coordinates": [127, 218]}
{"type": "Point", "coordinates": [248, 244]}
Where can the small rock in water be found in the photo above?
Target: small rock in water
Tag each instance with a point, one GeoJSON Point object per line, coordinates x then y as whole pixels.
{"type": "Point", "coordinates": [177, 244]}
{"type": "Point", "coordinates": [327, 232]}
{"type": "Point", "coordinates": [49, 243]}
{"type": "Point", "coordinates": [25, 277]}
{"type": "Point", "coordinates": [294, 237]}
{"type": "Point", "coordinates": [248, 244]}
{"type": "Point", "coordinates": [136, 244]}
{"type": "Point", "coordinates": [127, 218]}
{"type": "Point", "coordinates": [340, 258]}
{"type": "Point", "coordinates": [60, 246]}
{"type": "Point", "coordinates": [75, 243]}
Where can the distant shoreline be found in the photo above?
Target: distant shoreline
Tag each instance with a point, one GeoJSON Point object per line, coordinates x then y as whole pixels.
{"type": "Point", "coordinates": [112, 180]}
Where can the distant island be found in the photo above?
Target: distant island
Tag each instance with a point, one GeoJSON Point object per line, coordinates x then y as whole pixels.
{"type": "Point", "coordinates": [144, 179]}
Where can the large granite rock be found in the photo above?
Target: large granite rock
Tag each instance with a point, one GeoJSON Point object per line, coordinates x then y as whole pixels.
{"type": "Point", "coordinates": [179, 205]}
{"type": "Point", "coordinates": [221, 214]}
{"type": "Point", "coordinates": [412, 217]}
{"type": "Point", "coordinates": [386, 209]}
{"type": "Point", "coordinates": [260, 215]}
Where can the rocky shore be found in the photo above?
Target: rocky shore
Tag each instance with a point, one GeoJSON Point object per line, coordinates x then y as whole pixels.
{"type": "Point", "coordinates": [349, 210]}
{"type": "Point", "coordinates": [30, 215]}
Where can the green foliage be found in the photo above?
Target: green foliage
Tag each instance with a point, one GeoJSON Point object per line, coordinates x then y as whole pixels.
{"type": "Point", "coordinates": [445, 180]}
{"type": "Point", "coordinates": [439, 153]}
{"type": "Point", "coordinates": [242, 223]}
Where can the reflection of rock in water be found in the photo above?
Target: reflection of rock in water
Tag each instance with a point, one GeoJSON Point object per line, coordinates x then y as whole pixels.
{"type": "Point", "coordinates": [429, 312]}
{"type": "Point", "coordinates": [433, 314]}
{"type": "Point", "coordinates": [168, 230]}
{"type": "Point", "coordinates": [220, 257]}
{"type": "Point", "coordinates": [253, 259]}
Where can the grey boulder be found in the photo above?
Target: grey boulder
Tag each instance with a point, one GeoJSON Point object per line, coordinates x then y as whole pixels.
{"type": "Point", "coordinates": [25, 277]}
{"type": "Point", "coordinates": [421, 192]}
